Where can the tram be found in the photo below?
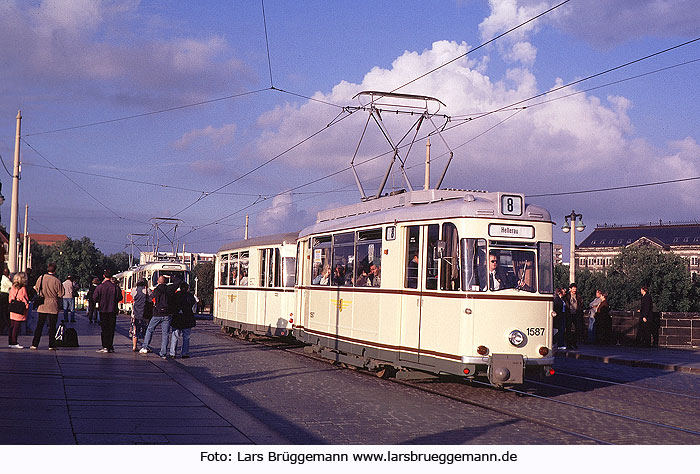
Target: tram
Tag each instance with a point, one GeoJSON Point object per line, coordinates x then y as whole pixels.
{"type": "Point", "coordinates": [440, 281]}
{"type": "Point", "coordinates": [172, 271]}
{"type": "Point", "coordinates": [254, 287]}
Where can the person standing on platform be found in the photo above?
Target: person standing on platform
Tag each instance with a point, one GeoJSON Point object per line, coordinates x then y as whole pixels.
{"type": "Point", "coordinates": [163, 309]}
{"type": "Point", "coordinates": [140, 295]}
{"type": "Point", "coordinates": [603, 321]}
{"type": "Point", "coordinates": [107, 295]}
{"type": "Point", "coordinates": [574, 315]}
{"type": "Point", "coordinates": [18, 293]}
{"type": "Point", "coordinates": [644, 328]}
{"type": "Point", "coordinates": [183, 320]}
{"type": "Point", "coordinates": [51, 289]}
{"type": "Point", "coordinates": [69, 292]}
{"type": "Point", "coordinates": [92, 311]}
{"type": "Point", "coordinates": [5, 285]}
{"type": "Point", "coordinates": [560, 318]}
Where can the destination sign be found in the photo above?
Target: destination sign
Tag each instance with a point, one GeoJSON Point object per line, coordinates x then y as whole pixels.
{"type": "Point", "coordinates": [513, 231]}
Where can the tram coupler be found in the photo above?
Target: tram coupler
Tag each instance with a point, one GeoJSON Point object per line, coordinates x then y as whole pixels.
{"type": "Point", "coordinates": [506, 369]}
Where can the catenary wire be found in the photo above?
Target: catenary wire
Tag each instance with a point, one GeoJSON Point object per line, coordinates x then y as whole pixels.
{"type": "Point", "coordinates": [267, 44]}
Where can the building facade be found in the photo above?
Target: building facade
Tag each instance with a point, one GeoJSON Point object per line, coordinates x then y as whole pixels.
{"type": "Point", "coordinates": [598, 250]}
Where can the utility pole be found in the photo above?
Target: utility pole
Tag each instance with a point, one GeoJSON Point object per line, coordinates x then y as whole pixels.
{"type": "Point", "coordinates": [12, 257]}
{"type": "Point", "coordinates": [25, 243]}
{"type": "Point", "coordinates": [570, 225]}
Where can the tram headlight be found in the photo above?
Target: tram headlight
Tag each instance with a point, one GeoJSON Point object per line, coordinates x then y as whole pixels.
{"type": "Point", "coordinates": [517, 338]}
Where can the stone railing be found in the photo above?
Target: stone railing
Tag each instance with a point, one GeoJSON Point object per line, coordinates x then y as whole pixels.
{"type": "Point", "coordinates": [675, 329]}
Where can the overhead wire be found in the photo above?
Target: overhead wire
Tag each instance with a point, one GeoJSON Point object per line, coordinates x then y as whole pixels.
{"type": "Point", "coordinates": [267, 44]}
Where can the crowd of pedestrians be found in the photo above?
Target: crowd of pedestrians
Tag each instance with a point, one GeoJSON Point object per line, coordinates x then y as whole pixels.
{"type": "Point", "coordinates": [571, 328]}
{"type": "Point", "coordinates": [169, 305]}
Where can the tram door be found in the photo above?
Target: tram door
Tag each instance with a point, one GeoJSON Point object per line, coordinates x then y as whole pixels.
{"type": "Point", "coordinates": [415, 273]}
{"type": "Point", "coordinates": [270, 300]}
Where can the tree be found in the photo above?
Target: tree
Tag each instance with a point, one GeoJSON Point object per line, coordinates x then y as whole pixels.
{"type": "Point", "coordinates": [204, 272]}
{"type": "Point", "coordinates": [117, 262]}
{"type": "Point", "coordinates": [666, 275]}
{"type": "Point", "coordinates": [561, 276]}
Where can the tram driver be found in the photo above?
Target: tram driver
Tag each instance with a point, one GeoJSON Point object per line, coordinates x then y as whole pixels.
{"type": "Point", "coordinates": [499, 279]}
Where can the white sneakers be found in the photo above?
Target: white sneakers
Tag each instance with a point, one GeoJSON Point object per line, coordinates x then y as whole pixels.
{"type": "Point", "coordinates": [16, 346]}
{"type": "Point", "coordinates": [143, 351]}
{"type": "Point", "coordinates": [103, 350]}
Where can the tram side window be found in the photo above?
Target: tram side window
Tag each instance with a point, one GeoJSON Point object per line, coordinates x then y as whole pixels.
{"type": "Point", "coordinates": [289, 271]}
{"type": "Point", "coordinates": [449, 271]}
{"type": "Point", "coordinates": [412, 250]}
{"type": "Point", "coordinates": [243, 269]}
{"type": "Point", "coordinates": [321, 266]}
{"type": "Point", "coordinates": [223, 270]}
{"type": "Point", "coordinates": [276, 269]}
{"type": "Point", "coordinates": [512, 269]}
{"type": "Point", "coordinates": [233, 269]}
{"type": "Point", "coordinates": [431, 261]}
{"type": "Point", "coordinates": [264, 257]}
{"type": "Point", "coordinates": [474, 272]}
{"type": "Point", "coordinates": [343, 259]}
{"type": "Point", "coordinates": [368, 257]}
{"type": "Point", "coordinates": [546, 268]}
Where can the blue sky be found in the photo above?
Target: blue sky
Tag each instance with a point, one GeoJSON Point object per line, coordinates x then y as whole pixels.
{"type": "Point", "coordinates": [71, 63]}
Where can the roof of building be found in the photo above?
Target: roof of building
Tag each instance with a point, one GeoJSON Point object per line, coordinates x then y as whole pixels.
{"type": "Point", "coordinates": [666, 235]}
{"type": "Point", "coordinates": [48, 239]}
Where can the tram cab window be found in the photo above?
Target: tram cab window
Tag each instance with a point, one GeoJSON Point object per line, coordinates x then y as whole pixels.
{"type": "Point", "coordinates": [546, 268]}
{"type": "Point", "coordinates": [369, 253]}
{"type": "Point", "coordinates": [343, 259]}
{"type": "Point", "coordinates": [474, 272]}
{"type": "Point", "coordinates": [223, 270]}
{"type": "Point", "coordinates": [321, 265]}
{"type": "Point", "coordinates": [233, 269]}
{"type": "Point", "coordinates": [431, 261]}
{"type": "Point", "coordinates": [243, 269]}
{"type": "Point", "coordinates": [449, 263]}
{"type": "Point", "coordinates": [511, 269]}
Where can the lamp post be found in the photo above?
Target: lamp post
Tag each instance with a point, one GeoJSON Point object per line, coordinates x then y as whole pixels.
{"type": "Point", "coordinates": [570, 224]}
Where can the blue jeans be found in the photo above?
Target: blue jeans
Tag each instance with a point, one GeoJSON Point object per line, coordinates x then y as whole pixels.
{"type": "Point", "coordinates": [185, 333]}
{"type": "Point", "coordinates": [69, 307]}
{"type": "Point", "coordinates": [155, 322]}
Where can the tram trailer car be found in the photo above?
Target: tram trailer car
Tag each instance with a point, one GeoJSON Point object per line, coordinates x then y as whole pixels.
{"type": "Point", "coordinates": [434, 308]}
{"type": "Point", "coordinates": [254, 286]}
{"type": "Point", "coordinates": [173, 271]}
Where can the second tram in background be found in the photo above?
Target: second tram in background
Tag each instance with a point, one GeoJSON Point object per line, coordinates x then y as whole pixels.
{"type": "Point", "coordinates": [441, 281]}
{"type": "Point", "coordinates": [173, 271]}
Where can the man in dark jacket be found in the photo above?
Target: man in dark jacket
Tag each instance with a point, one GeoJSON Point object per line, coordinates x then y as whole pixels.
{"type": "Point", "coordinates": [574, 315]}
{"type": "Point", "coordinates": [107, 295]}
{"type": "Point", "coordinates": [92, 313]}
{"type": "Point", "coordinates": [644, 327]}
{"type": "Point", "coordinates": [183, 320]}
{"type": "Point", "coordinates": [163, 306]}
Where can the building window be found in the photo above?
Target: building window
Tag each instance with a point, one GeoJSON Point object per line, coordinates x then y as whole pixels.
{"type": "Point", "coordinates": [591, 261]}
{"type": "Point", "coordinates": [582, 261]}
{"type": "Point", "coordinates": [619, 241]}
{"type": "Point", "coordinates": [593, 242]}
{"type": "Point", "coordinates": [676, 239]}
{"type": "Point", "coordinates": [694, 261]}
{"type": "Point", "coordinates": [608, 261]}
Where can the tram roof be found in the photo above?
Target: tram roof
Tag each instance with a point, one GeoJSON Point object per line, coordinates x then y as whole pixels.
{"type": "Point", "coordinates": [274, 239]}
{"type": "Point", "coordinates": [420, 205]}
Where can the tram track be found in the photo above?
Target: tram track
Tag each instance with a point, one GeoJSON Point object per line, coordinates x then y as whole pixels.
{"type": "Point", "coordinates": [589, 423]}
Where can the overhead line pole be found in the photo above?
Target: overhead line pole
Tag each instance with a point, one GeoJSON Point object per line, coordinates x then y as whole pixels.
{"type": "Point", "coordinates": [14, 211]}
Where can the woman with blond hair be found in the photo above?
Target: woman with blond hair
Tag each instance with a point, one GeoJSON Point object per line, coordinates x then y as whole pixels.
{"type": "Point", "coordinates": [18, 307]}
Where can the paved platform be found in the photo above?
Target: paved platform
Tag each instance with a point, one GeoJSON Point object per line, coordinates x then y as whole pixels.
{"type": "Point", "coordinates": [678, 360]}
{"type": "Point", "coordinates": [78, 396]}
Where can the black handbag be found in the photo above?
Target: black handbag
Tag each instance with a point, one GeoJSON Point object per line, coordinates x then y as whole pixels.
{"type": "Point", "coordinates": [17, 306]}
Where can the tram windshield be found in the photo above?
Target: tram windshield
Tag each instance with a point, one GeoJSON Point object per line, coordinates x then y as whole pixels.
{"type": "Point", "coordinates": [501, 269]}
{"type": "Point", "coordinates": [171, 276]}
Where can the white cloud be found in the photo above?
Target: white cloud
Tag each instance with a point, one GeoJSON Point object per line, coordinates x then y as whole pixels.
{"type": "Point", "coordinates": [217, 136]}
{"type": "Point", "coordinates": [89, 46]}
{"type": "Point", "coordinates": [282, 216]}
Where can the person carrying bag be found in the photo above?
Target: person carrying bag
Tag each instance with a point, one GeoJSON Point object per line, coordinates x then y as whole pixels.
{"type": "Point", "coordinates": [17, 307]}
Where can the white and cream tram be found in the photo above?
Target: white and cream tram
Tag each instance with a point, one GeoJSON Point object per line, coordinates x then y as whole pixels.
{"type": "Point", "coordinates": [173, 272]}
{"type": "Point", "coordinates": [443, 281]}
{"type": "Point", "coordinates": [254, 285]}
